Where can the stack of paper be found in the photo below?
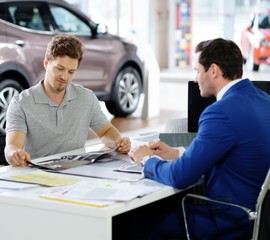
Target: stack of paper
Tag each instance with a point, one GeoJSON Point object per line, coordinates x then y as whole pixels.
{"type": "Point", "coordinates": [101, 191]}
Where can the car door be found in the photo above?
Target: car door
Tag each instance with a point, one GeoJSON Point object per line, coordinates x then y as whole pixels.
{"type": "Point", "coordinates": [28, 34]}
{"type": "Point", "coordinates": [93, 72]}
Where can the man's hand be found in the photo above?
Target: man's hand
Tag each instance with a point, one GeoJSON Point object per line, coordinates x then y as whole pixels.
{"type": "Point", "coordinates": [138, 153]}
{"type": "Point", "coordinates": [20, 158]}
{"type": "Point", "coordinates": [164, 151]}
{"type": "Point", "coordinates": [123, 145]}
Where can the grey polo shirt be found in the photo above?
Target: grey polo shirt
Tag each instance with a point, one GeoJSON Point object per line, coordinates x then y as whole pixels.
{"type": "Point", "coordinates": [54, 129]}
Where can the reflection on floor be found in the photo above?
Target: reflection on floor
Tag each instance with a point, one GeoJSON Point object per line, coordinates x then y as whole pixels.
{"type": "Point", "coordinates": [134, 125]}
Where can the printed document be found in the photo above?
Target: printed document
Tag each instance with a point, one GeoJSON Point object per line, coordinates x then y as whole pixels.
{"type": "Point", "coordinates": [109, 191]}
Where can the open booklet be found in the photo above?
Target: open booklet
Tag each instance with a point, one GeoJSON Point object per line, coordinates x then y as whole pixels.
{"type": "Point", "coordinates": [71, 161]}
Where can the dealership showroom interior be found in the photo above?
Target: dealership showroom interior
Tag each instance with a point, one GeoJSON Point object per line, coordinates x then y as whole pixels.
{"type": "Point", "coordinates": [135, 119]}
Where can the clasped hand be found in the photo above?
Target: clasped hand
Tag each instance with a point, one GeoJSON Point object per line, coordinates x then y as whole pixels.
{"type": "Point", "coordinates": [159, 148]}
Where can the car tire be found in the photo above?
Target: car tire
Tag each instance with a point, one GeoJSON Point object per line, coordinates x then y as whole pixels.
{"type": "Point", "coordinates": [126, 93]}
{"type": "Point", "coordinates": [8, 89]}
{"type": "Point", "coordinates": [250, 61]}
{"type": "Point", "coordinates": [255, 67]}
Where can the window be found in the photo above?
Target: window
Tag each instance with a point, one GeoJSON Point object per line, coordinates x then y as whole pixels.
{"type": "Point", "coordinates": [68, 22]}
{"type": "Point", "coordinates": [28, 15]}
{"type": "Point", "coordinates": [264, 21]}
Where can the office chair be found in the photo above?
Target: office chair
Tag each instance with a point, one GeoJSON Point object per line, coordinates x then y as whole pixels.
{"type": "Point", "coordinates": [261, 215]}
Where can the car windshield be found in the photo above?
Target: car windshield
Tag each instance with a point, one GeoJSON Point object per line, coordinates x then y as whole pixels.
{"type": "Point", "coordinates": [264, 21]}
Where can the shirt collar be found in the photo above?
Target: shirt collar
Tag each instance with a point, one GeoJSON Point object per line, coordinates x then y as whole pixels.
{"type": "Point", "coordinates": [226, 88]}
{"type": "Point", "coordinates": [41, 97]}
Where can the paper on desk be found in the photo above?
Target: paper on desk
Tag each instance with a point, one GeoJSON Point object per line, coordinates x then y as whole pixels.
{"type": "Point", "coordinates": [8, 185]}
{"type": "Point", "coordinates": [44, 178]}
{"type": "Point", "coordinates": [100, 191]}
{"type": "Point", "coordinates": [147, 137]}
{"type": "Point", "coordinates": [91, 203]}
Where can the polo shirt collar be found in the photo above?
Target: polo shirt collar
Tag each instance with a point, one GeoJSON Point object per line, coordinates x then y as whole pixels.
{"type": "Point", "coordinates": [41, 97]}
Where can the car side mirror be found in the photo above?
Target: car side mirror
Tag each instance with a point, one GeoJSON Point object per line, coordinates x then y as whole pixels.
{"type": "Point", "coordinates": [101, 28]}
{"type": "Point", "coordinates": [249, 29]}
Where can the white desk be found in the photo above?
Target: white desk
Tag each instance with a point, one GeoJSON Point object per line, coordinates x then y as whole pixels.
{"type": "Point", "coordinates": [24, 215]}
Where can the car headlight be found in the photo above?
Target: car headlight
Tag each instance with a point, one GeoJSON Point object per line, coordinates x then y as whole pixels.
{"type": "Point", "coordinates": [265, 43]}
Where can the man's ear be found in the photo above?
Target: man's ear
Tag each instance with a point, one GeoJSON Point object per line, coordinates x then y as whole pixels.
{"type": "Point", "coordinates": [214, 70]}
{"type": "Point", "coordinates": [45, 63]}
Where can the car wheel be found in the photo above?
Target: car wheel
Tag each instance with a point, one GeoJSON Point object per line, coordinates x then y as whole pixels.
{"type": "Point", "coordinates": [126, 93]}
{"type": "Point", "coordinates": [250, 61]}
{"type": "Point", "coordinates": [8, 89]}
{"type": "Point", "coordinates": [255, 67]}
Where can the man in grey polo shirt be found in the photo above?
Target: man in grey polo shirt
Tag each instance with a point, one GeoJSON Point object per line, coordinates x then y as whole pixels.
{"type": "Point", "coordinates": [55, 115]}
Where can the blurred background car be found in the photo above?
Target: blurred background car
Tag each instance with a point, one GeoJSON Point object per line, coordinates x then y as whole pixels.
{"type": "Point", "coordinates": [111, 66]}
{"type": "Point", "coordinates": [255, 41]}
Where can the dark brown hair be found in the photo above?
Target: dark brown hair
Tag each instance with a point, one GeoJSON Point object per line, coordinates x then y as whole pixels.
{"type": "Point", "coordinates": [225, 53]}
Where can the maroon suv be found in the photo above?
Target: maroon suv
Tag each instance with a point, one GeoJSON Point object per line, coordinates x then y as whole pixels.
{"type": "Point", "coordinates": [111, 66]}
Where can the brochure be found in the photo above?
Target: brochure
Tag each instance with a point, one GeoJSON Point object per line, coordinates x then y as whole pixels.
{"type": "Point", "coordinates": [130, 168]}
{"type": "Point", "coordinates": [71, 161]}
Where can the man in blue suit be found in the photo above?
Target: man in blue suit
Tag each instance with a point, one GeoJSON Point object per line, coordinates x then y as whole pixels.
{"type": "Point", "coordinates": [231, 149]}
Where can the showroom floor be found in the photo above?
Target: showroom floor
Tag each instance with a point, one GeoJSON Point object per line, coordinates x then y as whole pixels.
{"type": "Point", "coordinates": [172, 101]}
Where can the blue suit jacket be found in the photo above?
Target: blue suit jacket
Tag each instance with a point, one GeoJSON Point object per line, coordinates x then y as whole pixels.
{"type": "Point", "coordinates": [232, 151]}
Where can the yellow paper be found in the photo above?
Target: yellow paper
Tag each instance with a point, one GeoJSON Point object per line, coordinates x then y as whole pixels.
{"type": "Point", "coordinates": [45, 178]}
{"type": "Point", "coordinates": [99, 204]}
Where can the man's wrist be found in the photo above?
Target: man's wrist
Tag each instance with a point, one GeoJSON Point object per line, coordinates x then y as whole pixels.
{"type": "Point", "coordinates": [145, 159]}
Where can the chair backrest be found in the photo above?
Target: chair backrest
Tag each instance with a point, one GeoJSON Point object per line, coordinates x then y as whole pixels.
{"type": "Point", "coordinates": [262, 222]}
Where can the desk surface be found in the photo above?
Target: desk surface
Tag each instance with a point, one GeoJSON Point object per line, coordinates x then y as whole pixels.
{"type": "Point", "coordinates": [30, 197]}
{"type": "Point", "coordinates": [42, 216]}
